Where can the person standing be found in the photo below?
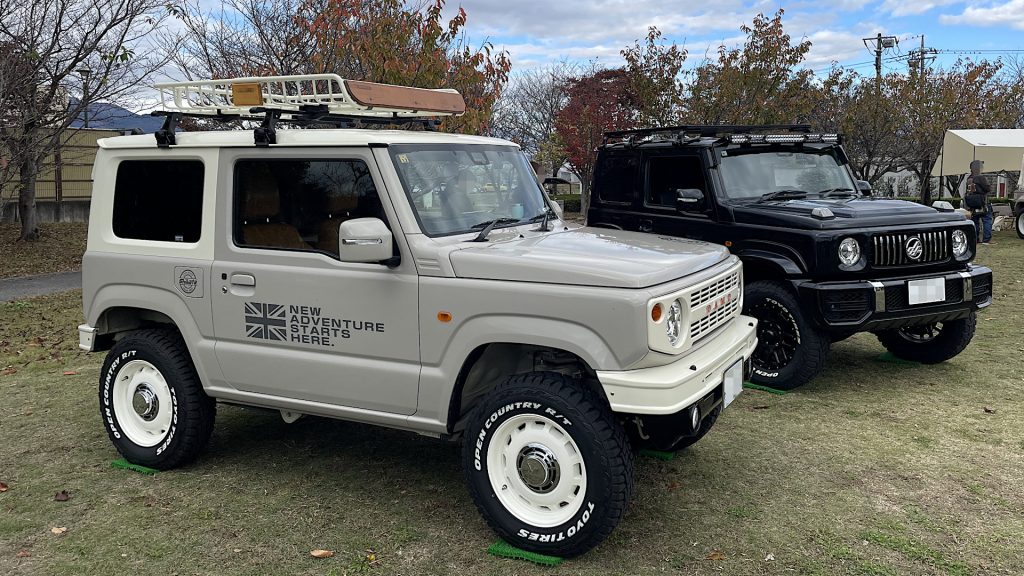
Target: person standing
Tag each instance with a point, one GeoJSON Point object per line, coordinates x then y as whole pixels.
{"type": "Point", "coordinates": [977, 200]}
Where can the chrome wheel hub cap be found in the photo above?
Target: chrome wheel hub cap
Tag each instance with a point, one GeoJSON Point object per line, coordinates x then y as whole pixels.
{"type": "Point", "coordinates": [145, 402]}
{"type": "Point", "coordinates": [538, 468]}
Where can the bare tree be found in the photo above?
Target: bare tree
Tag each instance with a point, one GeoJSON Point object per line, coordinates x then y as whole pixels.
{"type": "Point", "coordinates": [528, 108]}
{"type": "Point", "coordinates": [96, 50]}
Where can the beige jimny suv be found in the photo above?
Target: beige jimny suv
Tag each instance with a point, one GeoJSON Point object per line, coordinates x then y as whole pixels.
{"type": "Point", "coordinates": [403, 278]}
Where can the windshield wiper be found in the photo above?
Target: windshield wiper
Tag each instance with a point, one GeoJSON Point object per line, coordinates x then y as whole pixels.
{"type": "Point", "coordinates": [838, 192]}
{"type": "Point", "coordinates": [544, 216]}
{"type": "Point", "coordinates": [488, 226]}
{"type": "Point", "coordinates": [783, 195]}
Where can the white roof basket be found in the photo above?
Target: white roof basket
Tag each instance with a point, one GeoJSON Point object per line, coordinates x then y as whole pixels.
{"type": "Point", "coordinates": [296, 96]}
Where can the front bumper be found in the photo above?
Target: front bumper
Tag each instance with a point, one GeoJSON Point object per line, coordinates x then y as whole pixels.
{"type": "Point", "coordinates": [673, 387]}
{"type": "Point", "coordinates": [86, 337]}
{"type": "Point", "coordinates": [871, 305]}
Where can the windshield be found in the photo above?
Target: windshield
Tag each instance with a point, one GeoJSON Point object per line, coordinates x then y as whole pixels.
{"type": "Point", "coordinates": [462, 188]}
{"type": "Point", "coordinates": [755, 174]}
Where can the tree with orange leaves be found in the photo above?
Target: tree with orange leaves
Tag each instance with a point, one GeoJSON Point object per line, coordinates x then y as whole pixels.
{"type": "Point", "coordinates": [374, 40]}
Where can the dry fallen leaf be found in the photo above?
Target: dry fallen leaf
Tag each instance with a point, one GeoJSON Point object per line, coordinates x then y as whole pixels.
{"type": "Point", "coordinates": [9, 371]}
{"type": "Point", "coordinates": [58, 530]}
{"type": "Point", "coordinates": [762, 407]}
{"type": "Point", "coordinates": [23, 554]}
{"type": "Point", "coordinates": [989, 410]}
{"type": "Point", "coordinates": [321, 553]}
{"type": "Point", "coordinates": [371, 557]}
{"type": "Point", "coordinates": [716, 555]}
{"type": "Point", "coordinates": [3, 487]}
{"type": "Point", "coordinates": [70, 373]}
{"type": "Point", "coordinates": [769, 557]}
{"type": "Point", "coordinates": [62, 496]}
{"type": "Point", "coordinates": [673, 485]}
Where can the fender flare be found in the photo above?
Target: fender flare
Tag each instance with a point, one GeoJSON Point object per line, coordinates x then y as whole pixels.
{"type": "Point", "coordinates": [167, 303]}
{"type": "Point", "coordinates": [772, 260]}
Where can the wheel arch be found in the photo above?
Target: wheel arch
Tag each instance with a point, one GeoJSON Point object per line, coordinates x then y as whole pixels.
{"type": "Point", "coordinates": [115, 310]}
{"type": "Point", "coordinates": [765, 265]}
{"type": "Point", "coordinates": [489, 364]}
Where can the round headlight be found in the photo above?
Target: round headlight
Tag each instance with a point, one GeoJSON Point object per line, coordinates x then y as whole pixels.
{"type": "Point", "coordinates": [849, 252]}
{"type": "Point", "coordinates": [959, 243]}
{"type": "Point", "coordinates": [673, 322]}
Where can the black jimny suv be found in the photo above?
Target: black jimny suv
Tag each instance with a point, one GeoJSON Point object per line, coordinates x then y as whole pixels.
{"type": "Point", "coordinates": [822, 259]}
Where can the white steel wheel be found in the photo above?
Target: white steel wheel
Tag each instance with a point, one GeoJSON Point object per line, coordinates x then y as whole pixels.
{"type": "Point", "coordinates": [536, 470]}
{"type": "Point", "coordinates": [143, 403]}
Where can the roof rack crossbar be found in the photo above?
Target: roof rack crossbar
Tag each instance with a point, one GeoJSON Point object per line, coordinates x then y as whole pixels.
{"type": "Point", "coordinates": [708, 130]}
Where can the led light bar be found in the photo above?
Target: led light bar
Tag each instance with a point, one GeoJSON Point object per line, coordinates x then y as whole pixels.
{"type": "Point", "coordinates": [783, 138]}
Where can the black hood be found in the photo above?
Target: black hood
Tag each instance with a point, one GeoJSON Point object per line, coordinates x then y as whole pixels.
{"type": "Point", "coordinates": [847, 213]}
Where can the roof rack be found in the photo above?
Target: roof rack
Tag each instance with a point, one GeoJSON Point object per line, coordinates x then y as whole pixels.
{"type": "Point", "coordinates": [302, 99]}
{"type": "Point", "coordinates": [690, 131]}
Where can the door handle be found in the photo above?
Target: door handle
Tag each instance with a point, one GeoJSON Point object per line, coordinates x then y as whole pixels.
{"type": "Point", "coordinates": [243, 280]}
{"type": "Point", "coordinates": [646, 225]}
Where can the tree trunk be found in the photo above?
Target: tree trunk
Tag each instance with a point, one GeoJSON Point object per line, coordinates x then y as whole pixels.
{"type": "Point", "coordinates": [926, 181]}
{"type": "Point", "coordinates": [29, 171]}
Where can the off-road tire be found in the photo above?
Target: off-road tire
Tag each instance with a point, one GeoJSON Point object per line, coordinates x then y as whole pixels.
{"type": "Point", "coordinates": [951, 340]}
{"type": "Point", "coordinates": [192, 411]}
{"type": "Point", "coordinates": [539, 398]}
{"type": "Point", "coordinates": [790, 349]}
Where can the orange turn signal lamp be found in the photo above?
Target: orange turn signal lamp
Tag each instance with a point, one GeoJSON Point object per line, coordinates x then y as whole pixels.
{"type": "Point", "coordinates": [656, 312]}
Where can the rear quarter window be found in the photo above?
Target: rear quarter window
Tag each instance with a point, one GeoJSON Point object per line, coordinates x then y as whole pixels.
{"type": "Point", "coordinates": [615, 178]}
{"type": "Point", "coordinates": [160, 200]}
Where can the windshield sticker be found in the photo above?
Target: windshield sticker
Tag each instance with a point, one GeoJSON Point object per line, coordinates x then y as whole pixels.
{"type": "Point", "coordinates": [302, 324]}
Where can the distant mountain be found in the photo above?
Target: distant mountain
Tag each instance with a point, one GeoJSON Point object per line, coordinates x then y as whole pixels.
{"type": "Point", "coordinates": [113, 117]}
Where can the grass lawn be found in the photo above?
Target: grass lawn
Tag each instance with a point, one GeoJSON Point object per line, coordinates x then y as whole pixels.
{"type": "Point", "coordinates": [59, 250]}
{"type": "Point", "coordinates": [874, 468]}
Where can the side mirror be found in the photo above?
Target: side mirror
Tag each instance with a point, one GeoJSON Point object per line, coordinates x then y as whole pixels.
{"type": "Point", "coordinates": [865, 187]}
{"type": "Point", "coordinates": [364, 240]}
{"type": "Point", "coordinates": [689, 200]}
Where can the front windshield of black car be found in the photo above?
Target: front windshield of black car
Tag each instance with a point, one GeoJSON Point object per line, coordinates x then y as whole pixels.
{"type": "Point", "coordinates": [460, 188]}
{"type": "Point", "coordinates": [752, 174]}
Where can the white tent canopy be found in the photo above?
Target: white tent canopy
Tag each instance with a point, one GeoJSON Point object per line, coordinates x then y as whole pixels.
{"type": "Point", "coordinates": [998, 149]}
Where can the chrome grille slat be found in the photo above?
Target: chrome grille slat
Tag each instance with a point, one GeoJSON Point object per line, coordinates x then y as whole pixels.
{"type": "Point", "coordinates": [890, 249]}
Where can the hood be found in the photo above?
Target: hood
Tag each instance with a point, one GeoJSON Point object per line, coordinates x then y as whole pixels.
{"type": "Point", "coordinates": [588, 257]}
{"type": "Point", "coordinates": [848, 212]}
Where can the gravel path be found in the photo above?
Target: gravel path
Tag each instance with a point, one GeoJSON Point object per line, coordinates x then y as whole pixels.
{"type": "Point", "coordinates": [29, 286]}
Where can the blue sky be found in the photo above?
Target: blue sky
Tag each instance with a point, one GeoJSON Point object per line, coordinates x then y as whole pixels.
{"type": "Point", "coordinates": [536, 32]}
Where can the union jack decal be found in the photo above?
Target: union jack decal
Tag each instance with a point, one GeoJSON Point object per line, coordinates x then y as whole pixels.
{"type": "Point", "coordinates": [266, 321]}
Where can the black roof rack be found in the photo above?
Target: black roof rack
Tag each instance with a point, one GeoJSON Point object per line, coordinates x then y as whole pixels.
{"type": "Point", "coordinates": [308, 115]}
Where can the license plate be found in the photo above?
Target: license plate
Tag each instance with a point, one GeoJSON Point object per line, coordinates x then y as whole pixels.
{"type": "Point", "coordinates": [925, 291]}
{"type": "Point", "coordinates": [733, 381]}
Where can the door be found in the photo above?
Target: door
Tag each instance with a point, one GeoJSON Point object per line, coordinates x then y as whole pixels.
{"type": "Point", "coordinates": [290, 318]}
{"type": "Point", "coordinates": [664, 176]}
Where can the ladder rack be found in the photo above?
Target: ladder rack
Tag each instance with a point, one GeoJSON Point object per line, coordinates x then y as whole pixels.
{"type": "Point", "coordinates": [309, 99]}
{"type": "Point", "coordinates": [329, 93]}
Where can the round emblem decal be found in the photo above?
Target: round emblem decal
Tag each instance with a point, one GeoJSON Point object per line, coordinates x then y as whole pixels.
{"type": "Point", "coordinates": [914, 248]}
{"type": "Point", "coordinates": [187, 281]}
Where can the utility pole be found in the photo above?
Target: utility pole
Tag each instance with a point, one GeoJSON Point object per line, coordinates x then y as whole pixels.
{"type": "Point", "coordinates": [881, 43]}
{"type": "Point", "coordinates": [918, 60]}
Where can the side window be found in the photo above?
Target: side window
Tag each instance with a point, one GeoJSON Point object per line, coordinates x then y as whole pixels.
{"type": "Point", "coordinates": [615, 178]}
{"type": "Point", "coordinates": [666, 174]}
{"type": "Point", "coordinates": [159, 200]}
{"type": "Point", "coordinates": [299, 204]}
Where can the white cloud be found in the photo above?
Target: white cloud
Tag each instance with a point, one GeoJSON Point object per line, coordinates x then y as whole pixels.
{"type": "Point", "coordinates": [912, 8]}
{"type": "Point", "coordinates": [1006, 14]}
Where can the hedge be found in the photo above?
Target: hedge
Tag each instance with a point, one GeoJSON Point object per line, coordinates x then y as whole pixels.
{"type": "Point", "coordinates": [570, 202]}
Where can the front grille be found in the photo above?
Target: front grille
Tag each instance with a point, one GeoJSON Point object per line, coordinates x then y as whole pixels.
{"type": "Point", "coordinates": [714, 290]}
{"type": "Point", "coordinates": [714, 303]}
{"type": "Point", "coordinates": [707, 324]}
{"type": "Point", "coordinates": [897, 298]}
{"type": "Point", "coordinates": [891, 249]}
